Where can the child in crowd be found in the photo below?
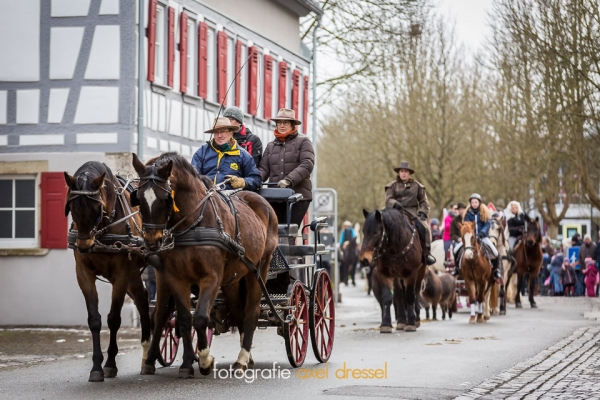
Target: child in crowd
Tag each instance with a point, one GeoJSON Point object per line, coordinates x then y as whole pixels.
{"type": "Point", "coordinates": [591, 277]}
{"type": "Point", "coordinates": [568, 278]}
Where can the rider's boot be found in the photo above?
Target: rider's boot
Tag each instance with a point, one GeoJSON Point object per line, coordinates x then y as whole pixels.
{"type": "Point", "coordinates": [427, 257]}
{"type": "Point", "coordinates": [457, 259]}
{"type": "Point", "coordinates": [496, 268]}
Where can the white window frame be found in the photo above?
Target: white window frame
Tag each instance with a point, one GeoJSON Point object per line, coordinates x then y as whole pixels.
{"type": "Point", "coordinates": [211, 63]}
{"type": "Point", "coordinates": [243, 77]}
{"type": "Point", "coordinates": [192, 56]}
{"type": "Point", "coordinates": [301, 103]}
{"type": "Point", "coordinates": [275, 86]}
{"type": "Point", "coordinates": [230, 101]}
{"type": "Point", "coordinates": [22, 243]}
{"type": "Point", "coordinates": [160, 48]}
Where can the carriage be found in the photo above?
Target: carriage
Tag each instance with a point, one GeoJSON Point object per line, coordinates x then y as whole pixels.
{"type": "Point", "coordinates": [297, 297]}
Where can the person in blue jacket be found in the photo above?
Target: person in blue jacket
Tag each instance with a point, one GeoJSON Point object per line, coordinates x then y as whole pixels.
{"type": "Point", "coordinates": [480, 216]}
{"type": "Point", "coordinates": [222, 158]}
{"type": "Point", "coordinates": [348, 233]}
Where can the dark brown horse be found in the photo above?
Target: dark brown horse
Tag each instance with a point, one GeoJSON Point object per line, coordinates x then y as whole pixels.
{"type": "Point", "coordinates": [391, 246]}
{"type": "Point", "coordinates": [93, 201]}
{"type": "Point", "coordinates": [448, 302]}
{"type": "Point", "coordinates": [349, 261]}
{"type": "Point", "coordinates": [172, 195]}
{"type": "Point", "coordinates": [431, 293]}
{"type": "Point", "coordinates": [529, 256]}
{"type": "Point", "coordinates": [476, 271]}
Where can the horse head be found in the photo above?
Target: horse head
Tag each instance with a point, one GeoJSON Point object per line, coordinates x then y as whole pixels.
{"type": "Point", "coordinates": [467, 233]}
{"type": "Point", "coordinates": [496, 233]}
{"type": "Point", "coordinates": [373, 234]}
{"type": "Point", "coordinates": [154, 197]}
{"type": "Point", "coordinates": [533, 233]}
{"type": "Point", "coordinates": [87, 202]}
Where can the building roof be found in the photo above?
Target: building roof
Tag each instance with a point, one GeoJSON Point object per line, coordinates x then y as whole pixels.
{"type": "Point", "coordinates": [302, 7]}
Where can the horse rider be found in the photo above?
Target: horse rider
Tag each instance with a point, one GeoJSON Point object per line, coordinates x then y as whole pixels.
{"type": "Point", "coordinates": [408, 196]}
{"type": "Point", "coordinates": [515, 220]}
{"type": "Point", "coordinates": [480, 216]}
{"type": "Point", "coordinates": [455, 228]}
{"type": "Point", "coordinates": [288, 161]}
{"type": "Point", "coordinates": [222, 158]}
{"type": "Point", "coordinates": [347, 232]}
{"type": "Point", "coordinates": [243, 136]}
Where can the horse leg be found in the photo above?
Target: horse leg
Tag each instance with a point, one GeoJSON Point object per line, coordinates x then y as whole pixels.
{"type": "Point", "coordinates": [399, 305]}
{"type": "Point", "coordinates": [140, 299]}
{"type": "Point", "coordinates": [532, 281]}
{"type": "Point", "coordinates": [472, 300]}
{"type": "Point", "coordinates": [114, 323]}
{"type": "Point", "coordinates": [518, 295]}
{"type": "Point", "coordinates": [386, 312]}
{"type": "Point", "coordinates": [251, 314]}
{"type": "Point", "coordinates": [161, 313]}
{"type": "Point", "coordinates": [427, 312]}
{"type": "Point", "coordinates": [502, 300]}
{"type": "Point", "coordinates": [434, 308]}
{"type": "Point", "coordinates": [207, 293]}
{"type": "Point", "coordinates": [444, 307]}
{"type": "Point", "coordinates": [409, 302]}
{"type": "Point", "coordinates": [181, 295]}
{"type": "Point", "coordinates": [87, 284]}
{"type": "Point", "coordinates": [369, 282]}
{"type": "Point", "coordinates": [486, 305]}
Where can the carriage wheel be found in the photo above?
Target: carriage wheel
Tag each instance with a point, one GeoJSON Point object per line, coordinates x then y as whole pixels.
{"type": "Point", "coordinates": [322, 316]}
{"type": "Point", "coordinates": [296, 332]}
{"type": "Point", "coordinates": [169, 343]}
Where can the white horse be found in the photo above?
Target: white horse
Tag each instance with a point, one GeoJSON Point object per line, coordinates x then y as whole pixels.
{"type": "Point", "coordinates": [498, 238]}
{"type": "Point", "coordinates": [437, 250]}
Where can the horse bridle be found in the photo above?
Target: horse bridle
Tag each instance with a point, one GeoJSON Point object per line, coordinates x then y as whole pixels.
{"type": "Point", "coordinates": [377, 253]}
{"type": "Point", "coordinates": [154, 178]}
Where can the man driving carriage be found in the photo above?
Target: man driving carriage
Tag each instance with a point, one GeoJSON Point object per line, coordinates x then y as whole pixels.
{"type": "Point", "coordinates": [480, 217]}
{"type": "Point", "coordinates": [408, 196]}
{"type": "Point", "coordinates": [222, 158]}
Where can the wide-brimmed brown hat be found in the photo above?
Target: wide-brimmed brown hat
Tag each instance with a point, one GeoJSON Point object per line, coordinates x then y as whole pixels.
{"type": "Point", "coordinates": [222, 123]}
{"type": "Point", "coordinates": [404, 165]}
{"type": "Point", "coordinates": [286, 114]}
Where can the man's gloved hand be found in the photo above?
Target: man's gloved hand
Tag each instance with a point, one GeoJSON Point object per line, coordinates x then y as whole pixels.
{"type": "Point", "coordinates": [284, 183]}
{"type": "Point", "coordinates": [422, 216]}
{"type": "Point", "coordinates": [236, 182]}
{"type": "Point", "coordinates": [398, 206]}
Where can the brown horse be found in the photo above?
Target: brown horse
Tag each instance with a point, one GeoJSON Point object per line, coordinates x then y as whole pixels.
{"type": "Point", "coordinates": [171, 195]}
{"type": "Point", "coordinates": [391, 246]}
{"type": "Point", "coordinates": [476, 271]}
{"type": "Point", "coordinates": [448, 302]}
{"type": "Point", "coordinates": [94, 203]}
{"type": "Point", "coordinates": [431, 293]}
{"type": "Point", "coordinates": [529, 256]}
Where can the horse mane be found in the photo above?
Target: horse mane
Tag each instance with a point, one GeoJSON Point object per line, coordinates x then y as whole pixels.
{"type": "Point", "coordinates": [393, 220]}
{"type": "Point", "coordinates": [93, 169]}
{"type": "Point", "coordinates": [466, 227]}
{"type": "Point", "coordinates": [182, 164]}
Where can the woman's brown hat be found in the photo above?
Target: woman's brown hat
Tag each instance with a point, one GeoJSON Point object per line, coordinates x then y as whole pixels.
{"type": "Point", "coordinates": [286, 114]}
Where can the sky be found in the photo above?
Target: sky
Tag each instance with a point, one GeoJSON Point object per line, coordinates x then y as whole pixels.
{"type": "Point", "coordinates": [470, 20]}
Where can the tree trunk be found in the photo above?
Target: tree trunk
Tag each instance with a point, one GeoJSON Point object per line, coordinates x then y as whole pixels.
{"type": "Point", "coordinates": [552, 230]}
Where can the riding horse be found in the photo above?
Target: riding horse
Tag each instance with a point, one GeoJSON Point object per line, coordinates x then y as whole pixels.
{"type": "Point", "coordinates": [498, 239]}
{"type": "Point", "coordinates": [349, 260]}
{"type": "Point", "coordinates": [529, 257]}
{"type": "Point", "coordinates": [391, 246]}
{"type": "Point", "coordinates": [236, 252]}
{"type": "Point", "coordinates": [100, 207]}
{"type": "Point", "coordinates": [476, 271]}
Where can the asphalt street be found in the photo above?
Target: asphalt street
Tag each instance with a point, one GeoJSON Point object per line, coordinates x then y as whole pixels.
{"type": "Point", "coordinates": [443, 359]}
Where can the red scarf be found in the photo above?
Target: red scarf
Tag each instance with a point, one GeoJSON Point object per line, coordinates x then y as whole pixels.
{"type": "Point", "coordinates": [283, 136]}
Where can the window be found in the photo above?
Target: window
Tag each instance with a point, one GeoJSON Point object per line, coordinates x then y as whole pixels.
{"type": "Point", "coordinates": [18, 216]}
{"type": "Point", "coordinates": [192, 58]}
{"type": "Point", "coordinates": [230, 101]}
{"type": "Point", "coordinates": [160, 45]}
{"type": "Point", "coordinates": [211, 65]}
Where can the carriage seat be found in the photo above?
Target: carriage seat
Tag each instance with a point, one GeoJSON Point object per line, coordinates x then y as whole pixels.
{"type": "Point", "coordinates": [282, 230]}
{"type": "Point", "coordinates": [302, 250]}
{"type": "Point", "coordinates": [280, 195]}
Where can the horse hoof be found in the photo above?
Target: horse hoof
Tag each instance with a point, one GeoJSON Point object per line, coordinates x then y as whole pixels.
{"type": "Point", "coordinates": [472, 319]}
{"type": "Point", "coordinates": [486, 318]}
{"type": "Point", "coordinates": [503, 312]}
{"type": "Point", "coordinates": [110, 372]}
{"type": "Point", "coordinates": [148, 369]}
{"type": "Point", "coordinates": [494, 312]}
{"type": "Point", "coordinates": [251, 364]}
{"type": "Point", "coordinates": [410, 328]}
{"type": "Point", "coordinates": [207, 371]}
{"type": "Point", "coordinates": [385, 329]}
{"type": "Point", "coordinates": [96, 376]}
{"type": "Point", "coordinates": [186, 373]}
{"type": "Point", "coordinates": [418, 324]}
{"type": "Point", "coordinates": [518, 305]}
{"type": "Point", "coordinates": [533, 305]}
{"type": "Point", "coordinates": [400, 326]}
{"type": "Point", "coordinates": [239, 367]}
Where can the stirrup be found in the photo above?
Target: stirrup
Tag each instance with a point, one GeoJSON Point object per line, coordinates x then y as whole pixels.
{"type": "Point", "coordinates": [430, 260]}
{"type": "Point", "coordinates": [456, 271]}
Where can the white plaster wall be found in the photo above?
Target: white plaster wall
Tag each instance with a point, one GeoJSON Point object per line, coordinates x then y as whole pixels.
{"type": "Point", "coordinates": [162, 113]}
{"type": "Point", "coordinates": [37, 140]}
{"type": "Point", "coordinates": [3, 107]}
{"type": "Point", "coordinates": [109, 7]}
{"type": "Point", "coordinates": [28, 106]}
{"type": "Point", "coordinates": [105, 53]}
{"type": "Point", "coordinates": [164, 145]}
{"type": "Point", "coordinates": [19, 40]}
{"type": "Point", "coordinates": [175, 125]}
{"type": "Point", "coordinates": [154, 115]}
{"type": "Point", "coordinates": [98, 105]}
{"type": "Point", "coordinates": [3, 140]}
{"type": "Point", "coordinates": [186, 122]}
{"type": "Point", "coordinates": [174, 146]}
{"type": "Point", "coordinates": [151, 142]}
{"type": "Point", "coordinates": [57, 103]}
{"type": "Point", "coordinates": [65, 43]}
{"type": "Point", "coordinates": [97, 138]}
{"type": "Point", "coordinates": [70, 8]}
{"type": "Point", "coordinates": [193, 123]}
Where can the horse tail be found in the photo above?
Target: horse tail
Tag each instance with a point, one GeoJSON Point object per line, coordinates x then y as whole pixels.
{"type": "Point", "coordinates": [494, 296]}
{"type": "Point", "coordinates": [454, 305]}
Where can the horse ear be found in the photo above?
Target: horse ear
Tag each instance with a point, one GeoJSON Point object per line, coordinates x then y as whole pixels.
{"type": "Point", "coordinates": [165, 170]}
{"type": "Point", "coordinates": [67, 209]}
{"type": "Point", "coordinates": [70, 181]}
{"type": "Point", "coordinates": [139, 166]}
{"type": "Point", "coordinates": [378, 215]}
{"type": "Point", "coordinates": [99, 181]}
{"type": "Point", "coordinates": [365, 213]}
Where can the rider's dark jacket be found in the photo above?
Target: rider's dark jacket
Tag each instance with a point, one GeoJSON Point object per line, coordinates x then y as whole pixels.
{"type": "Point", "coordinates": [411, 194]}
{"type": "Point", "coordinates": [474, 216]}
{"type": "Point", "coordinates": [516, 225]}
{"type": "Point", "coordinates": [215, 164]}
{"type": "Point", "coordinates": [249, 141]}
{"type": "Point", "coordinates": [455, 227]}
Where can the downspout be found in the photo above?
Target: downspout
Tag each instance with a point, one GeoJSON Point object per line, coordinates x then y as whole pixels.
{"type": "Point", "coordinates": [141, 82]}
{"type": "Point", "coordinates": [314, 108]}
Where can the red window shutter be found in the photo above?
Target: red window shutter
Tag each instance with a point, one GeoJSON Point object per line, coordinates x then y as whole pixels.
{"type": "Point", "coordinates": [238, 65]}
{"type": "Point", "coordinates": [183, 32]}
{"type": "Point", "coordinates": [295, 91]}
{"type": "Point", "coordinates": [222, 66]}
{"type": "Point", "coordinates": [203, 60]}
{"type": "Point", "coordinates": [305, 110]}
{"type": "Point", "coordinates": [253, 81]}
{"type": "Point", "coordinates": [171, 47]}
{"type": "Point", "coordinates": [268, 86]}
{"type": "Point", "coordinates": [54, 222]}
{"type": "Point", "coordinates": [151, 34]}
{"type": "Point", "coordinates": [282, 83]}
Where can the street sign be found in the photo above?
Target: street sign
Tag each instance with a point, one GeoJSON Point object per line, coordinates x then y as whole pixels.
{"type": "Point", "coordinates": [573, 254]}
{"type": "Point", "coordinates": [324, 202]}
